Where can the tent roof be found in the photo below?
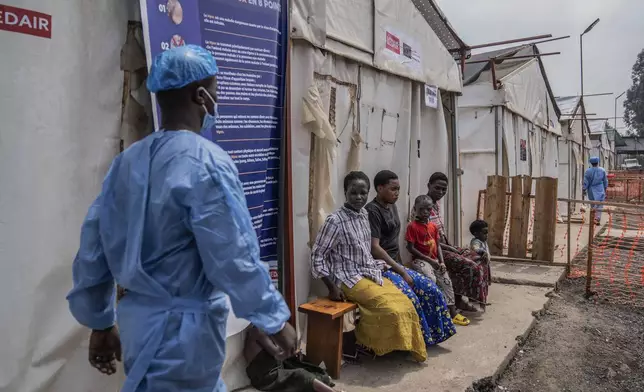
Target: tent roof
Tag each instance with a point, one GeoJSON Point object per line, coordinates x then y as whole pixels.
{"type": "Point", "coordinates": [568, 105]}
{"type": "Point", "coordinates": [441, 26]}
{"type": "Point", "coordinates": [474, 70]}
{"type": "Point", "coordinates": [596, 127]}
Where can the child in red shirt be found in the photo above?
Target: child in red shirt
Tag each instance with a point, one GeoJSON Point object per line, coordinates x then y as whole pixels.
{"type": "Point", "coordinates": [423, 242]}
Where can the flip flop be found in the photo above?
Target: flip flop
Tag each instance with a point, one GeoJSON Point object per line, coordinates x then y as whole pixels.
{"type": "Point", "coordinates": [459, 319]}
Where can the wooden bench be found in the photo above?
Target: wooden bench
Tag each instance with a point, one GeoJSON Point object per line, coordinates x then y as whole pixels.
{"type": "Point", "coordinates": [324, 332]}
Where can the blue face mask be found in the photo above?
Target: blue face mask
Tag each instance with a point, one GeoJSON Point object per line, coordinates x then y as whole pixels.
{"type": "Point", "coordinates": [209, 120]}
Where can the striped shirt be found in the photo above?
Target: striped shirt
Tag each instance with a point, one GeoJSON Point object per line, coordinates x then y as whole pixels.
{"type": "Point", "coordinates": [435, 218]}
{"type": "Point", "coordinates": [342, 249]}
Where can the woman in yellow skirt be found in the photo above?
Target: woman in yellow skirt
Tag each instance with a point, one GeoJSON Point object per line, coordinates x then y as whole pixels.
{"type": "Point", "coordinates": [341, 258]}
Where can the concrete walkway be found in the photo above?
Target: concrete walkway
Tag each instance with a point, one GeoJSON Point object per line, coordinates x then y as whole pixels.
{"type": "Point", "coordinates": [476, 351]}
{"type": "Point", "coordinates": [482, 349]}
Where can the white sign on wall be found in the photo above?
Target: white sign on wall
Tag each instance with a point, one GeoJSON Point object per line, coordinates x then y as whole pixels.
{"type": "Point", "coordinates": [431, 96]}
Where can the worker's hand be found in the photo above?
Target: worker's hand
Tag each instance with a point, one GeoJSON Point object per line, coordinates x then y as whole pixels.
{"type": "Point", "coordinates": [105, 350]}
{"type": "Point", "coordinates": [286, 340]}
{"type": "Point", "coordinates": [335, 294]}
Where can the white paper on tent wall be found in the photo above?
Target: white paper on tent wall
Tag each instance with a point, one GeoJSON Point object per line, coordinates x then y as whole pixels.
{"type": "Point", "coordinates": [431, 96]}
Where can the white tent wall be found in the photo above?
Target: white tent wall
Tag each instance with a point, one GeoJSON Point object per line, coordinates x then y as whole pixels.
{"type": "Point", "coordinates": [430, 133]}
{"type": "Point", "coordinates": [379, 102]}
{"type": "Point", "coordinates": [550, 167]}
{"type": "Point", "coordinates": [63, 153]}
{"type": "Point", "coordinates": [569, 164]}
{"type": "Point", "coordinates": [526, 93]}
{"type": "Point", "coordinates": [390, 119]}
{"type": "Point", "coordinates": [478, 157]}
{"type": "Point", "coordinates": [564, 187]}
{"type": "Point", "coordinates": [61, 111]}
{"type": "Point", "coordinates": [358, 29]}
{"type": "Point", "coordinates": [401, 18]}
{"type": "Point", "coordinates": [511, 142]}
{"type": "Point", "coordinates": [486, 150]}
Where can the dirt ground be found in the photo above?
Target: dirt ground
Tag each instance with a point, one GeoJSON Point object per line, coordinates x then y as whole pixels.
{"type": "Point", "coordinates": [578, 345]}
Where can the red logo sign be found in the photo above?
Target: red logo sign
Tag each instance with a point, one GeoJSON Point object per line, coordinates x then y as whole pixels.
{"type": "Point", "coordinates": [274, 274]}
{"type": "Point", "coordinates": [19, 20]}
{"type": "Point", "coordinates": [393, 43]}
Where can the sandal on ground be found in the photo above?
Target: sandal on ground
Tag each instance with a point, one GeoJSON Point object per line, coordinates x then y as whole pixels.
{"type": "Point", "coordinates": [459, 319]}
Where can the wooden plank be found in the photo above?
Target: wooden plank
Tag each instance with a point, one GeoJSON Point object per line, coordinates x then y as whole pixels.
{"type": "Point", "coordinates": [325, 306]}
{"type": "Point", "coordinates": [495, 202]}
{"type": "Point", "coordinates": [545, 219]}
{"type": "Point", "coordinates": [519, 210]}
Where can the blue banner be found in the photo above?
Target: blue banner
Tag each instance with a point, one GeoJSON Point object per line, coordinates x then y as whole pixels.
{"type": "Point", "coordinates": [249, 40]}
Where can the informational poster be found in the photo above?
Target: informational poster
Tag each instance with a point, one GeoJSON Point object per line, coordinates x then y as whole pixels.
{"type": "Point", "coordinates": [431, 96]}
{"type": "Point", "coordinates": [402, 49]}
{"type": "Point", "coordinates": [249, 40]}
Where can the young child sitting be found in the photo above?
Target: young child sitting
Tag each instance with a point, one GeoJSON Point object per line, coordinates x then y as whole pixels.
{"type": "Point", "coordinates": [423, 241]}
{"type": "Point", "coordinates": [268, 372]}
{"type": "Point", "coordinates": [478, 244]}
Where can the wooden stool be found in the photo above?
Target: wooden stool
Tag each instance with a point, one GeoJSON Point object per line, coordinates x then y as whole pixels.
{"type": "Point", "coordinates": [324, 332]}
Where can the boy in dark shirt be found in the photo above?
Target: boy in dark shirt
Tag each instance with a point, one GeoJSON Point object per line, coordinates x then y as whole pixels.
{"type": "Point", "coordinates": [385, 223]}
{"type": "Point", "coordinates": [267, 371]}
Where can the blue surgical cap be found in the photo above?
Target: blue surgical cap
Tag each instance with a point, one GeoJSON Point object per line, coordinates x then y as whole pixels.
{"type": "Point", "coordinates": [178, 67]}
{"type": "Point", "coordinates": [593, 160]}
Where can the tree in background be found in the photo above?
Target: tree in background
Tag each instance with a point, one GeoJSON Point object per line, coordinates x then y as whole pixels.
{"type": "Point", "coordinates": [634, 103]}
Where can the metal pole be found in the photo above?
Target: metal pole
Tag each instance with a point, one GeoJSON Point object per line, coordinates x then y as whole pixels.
{"type": "Point", "coordinates": [569, 259]}
{"type": "Point", "coordinates": [615, 123]}
{"type": "Point", "coordinates": [589, 264]}
{"type": "Point", "coordinates": [583, 117]}
{"type": "Point", "coordinates": [510, 41]}
{"type": "Point", "coordinates": [583, 107]}
{"type": "Point", "coordinates": [456, 165]}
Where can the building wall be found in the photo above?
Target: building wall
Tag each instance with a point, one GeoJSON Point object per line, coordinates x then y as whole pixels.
{"type": "Point", "coordinates": [61, 110]}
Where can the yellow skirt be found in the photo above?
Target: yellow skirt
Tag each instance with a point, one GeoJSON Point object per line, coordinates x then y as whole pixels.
{"type": "Point", "coordinates": [388, 319]}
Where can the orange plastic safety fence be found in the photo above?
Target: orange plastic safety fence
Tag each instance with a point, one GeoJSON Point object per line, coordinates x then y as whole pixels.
{"type": "Point", "coordinates": [618, 257]}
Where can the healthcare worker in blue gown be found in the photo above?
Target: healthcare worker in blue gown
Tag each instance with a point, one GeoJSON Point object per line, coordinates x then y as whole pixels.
{"type": "Point", "coordinates": [171, 226]}
{"type": "Point", "coordinates": [595, 185]}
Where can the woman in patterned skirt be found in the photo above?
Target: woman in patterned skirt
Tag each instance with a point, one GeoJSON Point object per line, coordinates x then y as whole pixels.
{"type": "Point", "coordinates": [468, 274]}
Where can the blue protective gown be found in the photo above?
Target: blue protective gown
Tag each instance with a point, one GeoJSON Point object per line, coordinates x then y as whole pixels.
{"type": "Point", "coordinates": [172, 227]}
{"type": "Point", "coordinates": [596, 183]}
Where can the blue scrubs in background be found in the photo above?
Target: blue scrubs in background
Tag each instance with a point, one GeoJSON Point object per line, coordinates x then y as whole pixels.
{"type": "Point", "coordinates": [596, 183]}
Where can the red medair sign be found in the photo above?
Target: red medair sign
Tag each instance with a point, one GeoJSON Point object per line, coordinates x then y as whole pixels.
{"type": "Point", "coordinates": [19, 20]}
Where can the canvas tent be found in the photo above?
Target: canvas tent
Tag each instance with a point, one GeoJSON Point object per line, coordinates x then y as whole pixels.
{"type": "Point", "coordinates": [571, 157]}
{"type": "Point", "coordinates": [601, 146]}
{"type": "Point", "coordinates": [371, 97]}
{"type": "Point", "coordinates": [358, 105]}
{"type": "Point", "coordinates": [54, 153]}
{"type": "Point", "coordinates": [508, 122]}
